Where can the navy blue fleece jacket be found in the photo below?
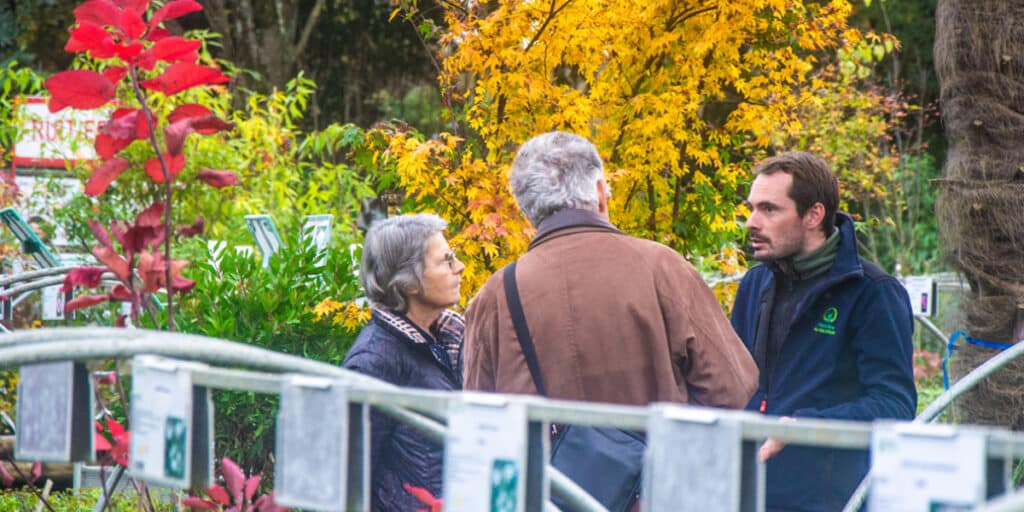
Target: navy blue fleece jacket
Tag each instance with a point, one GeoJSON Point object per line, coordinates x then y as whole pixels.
{"type": "Point", "coordinates": [847, 354]}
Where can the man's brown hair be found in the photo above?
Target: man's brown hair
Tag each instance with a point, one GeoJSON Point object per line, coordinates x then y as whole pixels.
{"type": "Point", "coordinates": [813, 182]}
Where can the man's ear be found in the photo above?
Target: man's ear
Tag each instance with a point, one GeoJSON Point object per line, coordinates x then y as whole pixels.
{"type": "Point", "coordinates": [814, 216]}
{"type": "Point", "coordinates": [602, 196]}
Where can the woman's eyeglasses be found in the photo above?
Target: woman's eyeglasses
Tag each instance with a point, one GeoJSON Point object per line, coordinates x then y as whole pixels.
{"type": "Point", "coordinates": [450, 258]}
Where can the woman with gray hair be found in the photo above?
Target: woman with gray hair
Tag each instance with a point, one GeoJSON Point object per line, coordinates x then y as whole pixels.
{"type": "Point", "coordinates": [411, 277]}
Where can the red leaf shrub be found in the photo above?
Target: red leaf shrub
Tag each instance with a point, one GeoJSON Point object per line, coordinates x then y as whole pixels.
{"type": "Point", "coordinates": [151, 59]}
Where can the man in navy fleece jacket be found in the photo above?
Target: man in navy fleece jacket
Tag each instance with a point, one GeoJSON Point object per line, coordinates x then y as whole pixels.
{"type": "Point", "coordinates": [830, 331]}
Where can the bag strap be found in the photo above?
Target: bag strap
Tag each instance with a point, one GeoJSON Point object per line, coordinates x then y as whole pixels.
{"type": "Point", "coordinates": [515, 308]}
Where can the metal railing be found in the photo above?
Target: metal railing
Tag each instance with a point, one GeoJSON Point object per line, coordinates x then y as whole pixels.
{"type": "Point", "coordinates": [243, 367]}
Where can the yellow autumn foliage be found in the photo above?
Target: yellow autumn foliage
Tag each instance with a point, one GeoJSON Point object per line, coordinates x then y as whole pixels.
{"type": "Point", "coordinates": [679, 96]}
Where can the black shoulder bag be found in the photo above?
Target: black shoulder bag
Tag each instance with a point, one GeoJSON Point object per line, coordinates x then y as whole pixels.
{"type": "Point", "coordinates": [606, 462]}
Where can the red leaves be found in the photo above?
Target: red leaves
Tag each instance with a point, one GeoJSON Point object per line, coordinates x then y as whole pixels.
{"type": "Point", "coordinates": [35, 472]}
{"type": "Point", "coordinates": [184, 75]}
{"type": "Point", "coordinates": [115, 73]}
{"type": "Point", "coordinates": [98, 12]}
{"type": "Point", "coordinates": [218, 494]}
{"type": "Point", "coordinates": [151, 216]}
{"type": "Point", "coordinates": [138, 5]}
{"type": "Point", "coordinates": [88, 277]}
{"type": "Point", "coordinates": [84, 301]}
{"type": "Point", "coordinates": [99, 232]}
{"type": "Point", "coordinates": [114, 261]}
{"type": "Point", "coordinates": [132, 24]}
{"type": "Point", "coordinates": [157, 34]}
{"type": "Point", "coordinates": [174, 9]}
{"type": "Point", "coordinates": [107, 146]}
{"type": "Point", "coordinates": [173, 49]}
{"type": "Point", "coordinates": [153, 271]}
{"type": "Point", "coordinates": [127, 51]}
{"type": "Point", "coordinates": [155, 170]}
{"type": "Point", "coordinates": [210, 124]}
{"type": "Point", "coordinates": [126, 126]}
{"type": "Point", "coordinates": [266, 504]}
{"type": "Point", "coordinates": [100, 441]}
{"type": "Point", "coordinates": [187, 111]}
{"type": "Point", "coordinates": [5, 477]}
{"type": "Point", "coordinates": [251, 486]}
{"type": "Point", "coordinates": [81, 89]}
{"type": "Point", "coordinates": [102, 178]}
{"type": "Point", "coordinates": [194, 229]}
{"type": "Point", "coordinates": [239, 492]}
{"type": "Point", "coordinates": [120, 451]}
{"type": "Point", "coordinates": [119, 30]}
{"type": "Point", "coordinates": [217, 179]}
{"type": "Point", "coordinates": [176, 133]}
{"type": "Point", "coordinates": [114, 439]}
{"type": "Point", "coordinates": [233, 478]}
{"type": "Point", "coordinates": [120, 292]}
{"type": "Point", "coordinates": [195, 503]}
{"type": "Point", "coordinates": [90, 37]}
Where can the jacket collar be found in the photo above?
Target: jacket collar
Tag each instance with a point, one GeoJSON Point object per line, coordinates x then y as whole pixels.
{"type": "Point", "coordinates": [561, 222]}
{"type": "Point", "coordinates": [847, 262]}
{"type": "Point", "coordinates": [847, 258]}
{"type": "Point", "coordinates": [446, 331]}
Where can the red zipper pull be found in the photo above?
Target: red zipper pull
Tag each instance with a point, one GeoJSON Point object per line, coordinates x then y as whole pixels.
{"type": "Point", "coordinates": [764, 406]}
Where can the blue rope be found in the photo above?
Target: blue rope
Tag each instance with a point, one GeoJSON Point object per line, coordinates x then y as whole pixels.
{"type": "Point", "coordinates": [951, 347]}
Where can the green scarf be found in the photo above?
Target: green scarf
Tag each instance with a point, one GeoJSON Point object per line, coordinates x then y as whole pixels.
{"type": "Point", "coordinates": [814, 263]}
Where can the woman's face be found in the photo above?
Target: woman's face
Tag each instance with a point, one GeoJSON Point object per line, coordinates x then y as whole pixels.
{"type": "Point", "coordinates": [442, 276]}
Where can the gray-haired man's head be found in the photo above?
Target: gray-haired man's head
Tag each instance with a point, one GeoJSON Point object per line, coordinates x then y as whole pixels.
{"type": "Point", "coordinates": [393, 254]}
{"type": "Point", "coordinates": [555, 171]}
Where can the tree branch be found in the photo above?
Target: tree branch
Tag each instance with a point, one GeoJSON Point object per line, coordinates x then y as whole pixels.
{"type": "Point", "coordinates": [307, 31]}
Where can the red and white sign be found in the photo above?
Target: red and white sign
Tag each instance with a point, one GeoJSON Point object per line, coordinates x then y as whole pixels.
{"type": "Point", "coordinates": [48, 139]}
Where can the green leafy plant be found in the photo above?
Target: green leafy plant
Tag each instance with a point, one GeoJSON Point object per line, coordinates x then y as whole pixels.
{"type": "Point", "coordinates": [83, 500]}
{"type": "Point", "coordinates": [272, 308]}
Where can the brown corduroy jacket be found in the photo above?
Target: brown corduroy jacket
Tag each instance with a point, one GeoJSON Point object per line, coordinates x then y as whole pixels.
{"type": "Point", "coordinates": [614, 319]}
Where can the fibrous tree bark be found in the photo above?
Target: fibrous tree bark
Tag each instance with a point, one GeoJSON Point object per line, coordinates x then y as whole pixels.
{"type": "Point", "coordinates": [979, 60]}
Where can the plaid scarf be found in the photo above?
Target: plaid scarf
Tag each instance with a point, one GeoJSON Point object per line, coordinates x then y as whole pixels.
{"type": "Point", "coordinates": [446, 332]}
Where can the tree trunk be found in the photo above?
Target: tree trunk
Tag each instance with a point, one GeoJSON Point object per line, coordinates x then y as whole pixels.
{"type": "Point", "coordinates": [268, 37]}
{"type": "Point", "coordinates": [979, 60]}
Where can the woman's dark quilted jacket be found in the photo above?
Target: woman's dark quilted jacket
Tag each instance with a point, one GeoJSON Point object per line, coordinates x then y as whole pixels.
{"type": "Point", "coordinates": [393, 349]}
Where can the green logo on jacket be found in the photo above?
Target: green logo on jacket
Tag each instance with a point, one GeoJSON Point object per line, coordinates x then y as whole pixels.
{"type": "Point", "coordinates": [827, 323]}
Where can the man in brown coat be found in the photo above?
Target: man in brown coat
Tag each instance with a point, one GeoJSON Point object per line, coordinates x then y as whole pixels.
{"type": "Point", "coordinates": [614, 318]}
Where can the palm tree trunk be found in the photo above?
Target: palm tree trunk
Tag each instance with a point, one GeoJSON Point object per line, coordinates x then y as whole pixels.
{"type": "Point", "coordinates": [979, 60]}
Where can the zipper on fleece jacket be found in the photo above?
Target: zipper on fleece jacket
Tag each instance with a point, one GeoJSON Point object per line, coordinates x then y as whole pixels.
{"type": "Point", "coordinates": [761, 344]}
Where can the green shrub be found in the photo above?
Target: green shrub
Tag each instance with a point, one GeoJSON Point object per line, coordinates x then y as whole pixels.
{"type": "Point", "coordinates": [236, 299]}
{"type": "Point", "coordinates": [67, 501]}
